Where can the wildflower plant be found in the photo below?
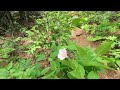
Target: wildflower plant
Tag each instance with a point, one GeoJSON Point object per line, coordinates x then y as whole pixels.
{"type": "Point", "coordinates": [62, 54]}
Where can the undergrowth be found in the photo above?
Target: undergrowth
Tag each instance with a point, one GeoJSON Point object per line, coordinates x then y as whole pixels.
{"type": "Point", "coordinates": [42, 43]}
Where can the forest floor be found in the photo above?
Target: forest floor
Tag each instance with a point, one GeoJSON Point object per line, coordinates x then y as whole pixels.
{"type": "Point", "coordinates": [80, 37]}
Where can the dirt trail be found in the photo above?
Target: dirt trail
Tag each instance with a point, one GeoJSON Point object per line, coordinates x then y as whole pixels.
{"type": "Point", "coordinates": [80, 37]}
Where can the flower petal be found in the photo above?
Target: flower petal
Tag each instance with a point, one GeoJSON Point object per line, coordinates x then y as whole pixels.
{"type": "Point", "coordinates": [62, 54]}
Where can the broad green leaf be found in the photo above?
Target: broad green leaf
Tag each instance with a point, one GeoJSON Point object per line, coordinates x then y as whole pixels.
{"type": "Point", "coordinates": [6, 50]}
{"type": "Point", "coordinates": [103, 48]}
{"type": "Point", "coordinates": [40, 57]}
{"type": "Point", "coordinates": [72, 47]}
{"type": "Point", "coordinates": [108, 59]}
{"type": "Point", "coordinates": [27, 71]}
{"type": "Point", "coordinates": [9, 66]}
{"type": "Point", "coordinates": [12, 70]}
{"type": "Point", "coordinates": [3, 73]}
{"type": "Point", "coordinates": [95, 39]}
{"type": "Point", "coordinates": [118, 62]}
{"type": "Point", "coordinates": [93, 75]}
{"type": "Point", "coordinates": [38, 73]}
{"type": "Point", "coordinates": [85, 56]}
{"type": "Point", "coordinates": [113, 38]}
{"type": "Point", "coordinates": [44, 71]}
{"type": "Point", "coordinates": [76, 21]}
{"type": "Point", "coordinates": [118, 14]}
{"type": "Point", "coordinates": [75, 74]}
{"type": "Point", "coordinates": [58, 64]}
{"type": "Point", "coordinates": [32, 73]}
{"type": "Point", "coordinates": [81, 53]}
{"type": "Point", "coordinates": [17, 73]}
{"type": "Point", "coordinates": [50, 59]}
{"type": "Point", "coordinates": [78, 73]}
{"type": "Point", "coordinates": [53, 55]}
{"type": "Point", "coordinates": [81, 70]}
{"type": "Point", "coordinates": [49, 75]}
{"type": "Point", "coordinates": [53, 64]}
{"type": "Point", "coordinates": [68, 64]}
{"type": "Point", "coordinates": [98, 64]}
{"type": "Point", "coordinates": [37, 66]}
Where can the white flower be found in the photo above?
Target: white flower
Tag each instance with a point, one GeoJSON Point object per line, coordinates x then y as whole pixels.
{"type": "Point", "coordinates": [62, 54]}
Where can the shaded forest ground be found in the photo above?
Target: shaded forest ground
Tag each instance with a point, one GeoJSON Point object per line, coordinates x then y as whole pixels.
{"type": "Point", "coordinates": [77, 35]}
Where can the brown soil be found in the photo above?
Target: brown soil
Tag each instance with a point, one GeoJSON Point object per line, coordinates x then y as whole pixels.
{"type": "Point", "coordinates": [110, 74]}
{"type": "Point", "coordinates": [44, 63]}
{"type": "Point", "coordinates": [80, 37]}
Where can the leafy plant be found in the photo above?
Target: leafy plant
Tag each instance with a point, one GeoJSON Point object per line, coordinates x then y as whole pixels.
{"type": "Point", "coordinates": [85, 57]}
{"type": "Point", "coordinates": [50, 34]}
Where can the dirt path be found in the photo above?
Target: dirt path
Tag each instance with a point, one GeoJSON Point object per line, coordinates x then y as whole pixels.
{"type": "Point", "coordinates": [80, 37]}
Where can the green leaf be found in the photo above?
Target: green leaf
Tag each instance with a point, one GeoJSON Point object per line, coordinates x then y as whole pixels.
{"type": "Point", "coordinates": [81, 70]}
{"type": "Point", "coordinates": [85, 55]}
{"type": "Point", "coordinates": [6, 50]}
{"type": "Point", "coordinates": [77, 73]}
{"type": "Point", "coordinates": [58, 64]}
{"type": "Point", "coordinates": [68, 64]}
{"type": "Point", "coordinates": [12, 70]}
{"type": "Point", "coordinates": [113, 38]}
{"type": "Point", "coordinates": [4, 73]}
{"type": "Point", "coordinates": [37, 66]}
{"type": "Point", "coordinates": [74, 75]}
{"type": "Point", "coordinates": [95, 39]}
{"type": "Point", "coordinates": [53, 55]}
{"type": "Point", "coordinates": [44, 71]}
{"type": "Point", "coordinates": [50, 59]}
{"type": "Point", "coordinates": [17, 73]}
{"type": "Point", "coordinates": [72, 47]}
{"type": "Point", "coordinates": [93, 75]}
{"type": "Point", "coordinates": [38, 73]}
{"type": "Point", "coordinates": [53, 64]}
{"type": "Point", "coordinates": [112, 60]}
{"type": "Point", "coordinates": [32, 73]}
{"type": "Point", "coordinates": [103, 48]}
{"type": "Point", "coordinates": [9, 66]}
{"type": "Point", "coordinates": [16, 65]}
{"type": "Point", "coordinates": [49, 75]}
{"type": "Point", "coordinates": [40, 57]}
{"type": "Point", "coordinates": [76, 21]}
{"type": "Point", "coordinates": [118, 14]}
{"type": "Point", "coordinates": [81, 53]}
{"type": "Point", "coordinates": [118, 62]}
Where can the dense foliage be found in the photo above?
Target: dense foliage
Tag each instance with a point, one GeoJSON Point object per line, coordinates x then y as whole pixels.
{"type": "Point", "coordinates": [36, 44]}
